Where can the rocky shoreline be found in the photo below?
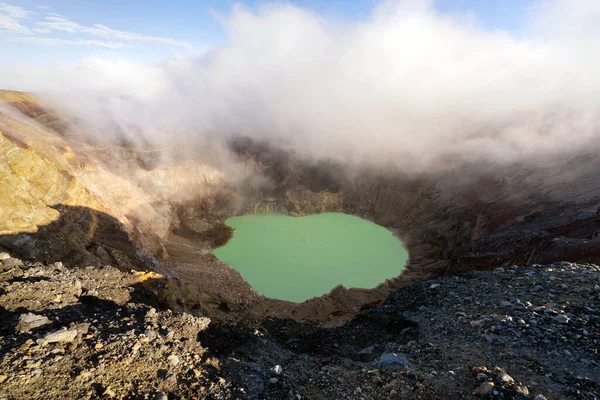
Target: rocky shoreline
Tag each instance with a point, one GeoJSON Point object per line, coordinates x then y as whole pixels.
{"type": "Point", "coordinates": [512, 333]}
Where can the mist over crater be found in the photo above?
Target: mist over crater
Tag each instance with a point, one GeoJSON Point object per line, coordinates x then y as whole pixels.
{"type": "Point", "coordinates": [408, 86]}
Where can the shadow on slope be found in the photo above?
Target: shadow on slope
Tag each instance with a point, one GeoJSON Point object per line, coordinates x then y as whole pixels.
{"type": "Point", "coordinates": [81, 237]}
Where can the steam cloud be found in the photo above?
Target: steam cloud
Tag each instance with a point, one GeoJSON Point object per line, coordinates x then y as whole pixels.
{"type": "Point", "coordinates": [408, 85]}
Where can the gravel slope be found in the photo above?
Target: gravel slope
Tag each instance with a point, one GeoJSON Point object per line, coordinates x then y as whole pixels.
{"type": "Point", "coordinates": [514, 333]}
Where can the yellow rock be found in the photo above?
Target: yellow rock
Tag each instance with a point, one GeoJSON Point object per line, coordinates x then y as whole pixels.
{"type": "Point", "coordinates": [144, 276]}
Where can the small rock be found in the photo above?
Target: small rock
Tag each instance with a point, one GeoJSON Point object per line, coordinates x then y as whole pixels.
{"type": "Point", "coordinates": [12, 262]}
{"type": "Point", "coordinates": [479, 369]}
{"type": "Point", "coordinates": [498, 370]}
{"type": "Point", "coordinates": [505, 378]}
{"type": "Point", "coordinates": [173, 359]}
{"type": "Point", "coordinates": [389, 361]}
{"type": "Point", "coordinates": [78, 288]}
{"type": "Point", "coordinates": [461, 314]}
{"type": "Point", "coordinates": [491, 338]}
{"type": "Point", "coordinates": [64, 335]}
{"type": "Point", "coordinates": [171, 378]}
{"type": "Point", "coordinates": [434, 286]}
{"type": "Point", "coordinates": [506, 304]}
{"type": "Point", "coordinates": [485, 389]}
{"type": "Point", "coordinates": [161, 396]}
{"type": "Point", "coordinates": [277, 370]}
{"type": "Point", "coordinates": [58, 265]}
{"type": "Point", "coordinates": [539, 397]}
{"type": "Point", "coordinates": [151, 334]}
{"type": "Point", "coordinates": [85, 374]}
{"type": "Point", "coordinates": [562, 319]}
{"type": "Point", "coordinates": [481, 376]}
{"type": "Point", "coordinates": [109, 393]}
{"type": "Point", "coordinates": [82, 328]}
{"type": "Point", "coordinates": [522, 389]}
{"type": "Point", "coordinates": [31, 321]}
{"type": "Point", "coordinates": [367, 350]}
{"type": "Point", "coordinates": [4, 256]}
{"type": "Point", "coordinates": [273, 381]}
{"type": "Point", "coordinates": [3, 377]}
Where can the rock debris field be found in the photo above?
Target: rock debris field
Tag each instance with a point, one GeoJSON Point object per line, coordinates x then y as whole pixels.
{"type": "Point", "coordinates": [514, 333]}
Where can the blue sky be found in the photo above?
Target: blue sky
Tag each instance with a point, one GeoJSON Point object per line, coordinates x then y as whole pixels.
{"type": "Point", "coordinates": [36, 32]}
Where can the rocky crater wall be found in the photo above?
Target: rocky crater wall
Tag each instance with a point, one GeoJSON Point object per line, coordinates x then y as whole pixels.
{"type": "Point", "coordinates": [65, 198]}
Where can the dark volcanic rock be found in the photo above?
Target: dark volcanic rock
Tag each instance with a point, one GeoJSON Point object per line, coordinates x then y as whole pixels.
{"type": "Point", "coordinates": [428, 341]}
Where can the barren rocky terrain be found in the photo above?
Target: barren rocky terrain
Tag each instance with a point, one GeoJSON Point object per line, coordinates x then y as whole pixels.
{"type": "Point", "coordinates": [514, 333]}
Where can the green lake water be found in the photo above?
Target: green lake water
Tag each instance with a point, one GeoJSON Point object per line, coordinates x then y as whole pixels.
{"type": "Point", "coordinates": [296, 258]}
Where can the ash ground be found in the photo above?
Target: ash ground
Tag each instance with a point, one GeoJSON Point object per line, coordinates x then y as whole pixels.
{"type": "Point", "coordinates": [514, 333]}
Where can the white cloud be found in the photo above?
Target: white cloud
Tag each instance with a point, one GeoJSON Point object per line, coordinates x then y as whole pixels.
{"type": "Point", "coordinates": [408, 85]}
{"type": "Point", "coordinates": [54, 23]}
{"type": "Point", "coordinates": [15, 12]}
{"type": "Point", "coordinates": [104, 31]}
{"type": "Point", "coordinates": [61, 24]}
{"type": "Point", "coordinates": [9, 24]}
{"type": "Point", "coordinates": [9, 16]}
{"type": "Point", "coordinates": [79, 42]}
